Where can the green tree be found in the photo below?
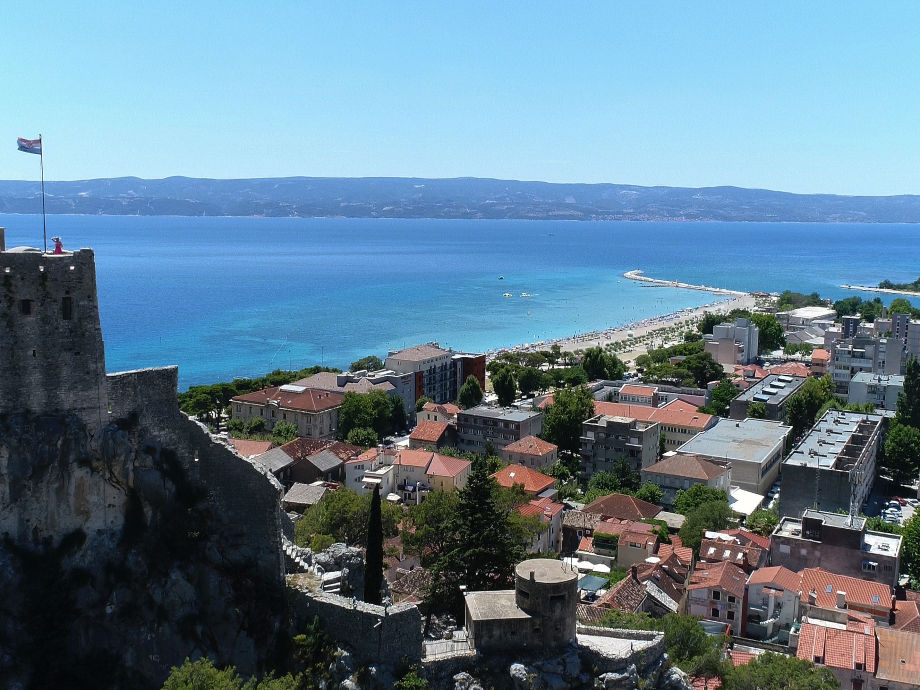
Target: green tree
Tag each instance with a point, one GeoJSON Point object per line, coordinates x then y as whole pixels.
{"type": "Point", "coordinates": [371, 410]}
{"type": "Point", "coordinates": [910, 553]}
{"type": "Point", "coordinates": [202, 675]}
{"type": "Point", "coordinates": [762, 522]}
{"type": "Point", "coordinates": [771, 332]}
{"type": "Point", "coordinates": [470, 393]}
{"type": "Point", "coordinates": [687, 500]}
{"type": "Point", "coordinates": [908, 410]}
{"type": "Point", "coordinates": [504, 386]}
{"type": "Point", "coordinates": [757, 410]}
{"type": "Point", "coordinates": [703, 368]}
{"type": "Point", "coordinates": [771, 671]}
{"type": "Point", "coordinates": [283, 432]}
{"type": "Point", "coordinates": [803, 407]}
{"type": "Point", "coordinates": [902, 452]}
{"type": "Point", "coordinates": [620, 479]}
{"type": "Point", "coordinates": [711, 516]}
{"type": "Point", "coordinates": [343, 515]}
{"type": "Point", "coordinates": [420, 403]}
{"type": "Point", "coordinates": [598, 364]}
{"type": "Point", "coordinates": [373, 554]}
{"type": "Point", "coordinates": [570, 408]}
{"type": "Point", "coordinates": [398, 417]}
{"type": "Point", "coordinates": [412, 681]}
{"type": "Point", "coordinates": [708, 323]}
{"type": "Point", "coordinates": [370, 363]}
{"type": "Point", "coordinates": [720, 398]}
{"type": "Point", "coordinates": [530, 380]}
{"type": "Point", "coordinates": [362, 436]}
{"type": "Point", "coordinates": [649, 492]}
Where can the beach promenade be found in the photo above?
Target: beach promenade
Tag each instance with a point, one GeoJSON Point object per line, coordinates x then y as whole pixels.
{"type": "Point", "coordinates": [647, 329]}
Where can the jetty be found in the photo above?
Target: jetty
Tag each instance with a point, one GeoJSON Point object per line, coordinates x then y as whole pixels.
{"type": "Point", "coordinates": [890, 291]}
{"type": "Point", "coordinates": [657, 282]}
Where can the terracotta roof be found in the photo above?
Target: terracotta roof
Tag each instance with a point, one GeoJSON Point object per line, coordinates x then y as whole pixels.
{"type": "Point", "coordinates": [750, 371]}
{"type": "Point", "coordinates": [447, 409]}
{"type": "Point", "coordinates": [725, 576]}
{"type": "Point", "coordinates": [907, 616]}
{"type": "Point", "coordinates": [626, 595]}
{"type": "Point", "coordinates": [531, 445]}
{"type": "Point", "coordinates": [690, 466]}
{"type": "Point", "coordinates": [675, 413]}
{"type": "Point", "coordinates": [621, 526]}
{"type": "Point", "coordinates": [776, 575]}
{"type": "Point", "coordinates": [859, 592]}
{"type": "Point", "coordinates": [791, 369]}
{"type": "Point", "coordinates": [637, 536]}
{"type": "Point", "coordinates": [898, 656]}
{"type": "Point", "coordinates": [428, 431]}
{"type": "Point", "coordinates": [682, 554]}
{"type": "Point", "coordinates": [820, 355]}
{"type": "Point", "coordinates": [419, 353]}
{"type": "Point", "coordinates": [741, 658]}
{"type": "Point", "coordinates": [745, 557]}
{"type": "Point", "coordinates": [623, 507]}
{"type": "Point", "coordinates": [540, 507]}
{"type": "Point", "coordinates": [446, 466]}
{"type": "Point", "coordinates": [633, 389]}
{"type": "Point", "coordinates": [586, 544]}
{"type": "Point", "coordinates": [747, 537]}
{"type": "Point", "coordinates": [413, 458]}
{"type": "Point", "coordinates": [247, 448]}
{"type": "Point", "coordinates": [842, 649]}
{"type": "Point", "coordinates": [305, 447]}
{"type": "Point", "coordinates": [310, 400]}
{"type": "Point", "coordinates": [533, 482]}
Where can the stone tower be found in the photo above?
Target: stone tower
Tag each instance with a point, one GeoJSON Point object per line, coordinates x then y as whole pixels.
{"type": "Point", "coordinates": [547, 589]}
{"type": "Point", "coordinates": [51, 351]}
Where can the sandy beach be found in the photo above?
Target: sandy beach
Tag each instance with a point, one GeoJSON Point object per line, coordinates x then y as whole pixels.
{"type": "Point", "coordinates": [653, 330]}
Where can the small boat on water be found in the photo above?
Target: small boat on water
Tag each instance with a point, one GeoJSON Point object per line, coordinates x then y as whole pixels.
{"type": "Point", "coordinates": [507, 294]}
{"type": "Point", "coordinates": [501, 277]}
{"type": "Point", "coordinates": [526, 294]}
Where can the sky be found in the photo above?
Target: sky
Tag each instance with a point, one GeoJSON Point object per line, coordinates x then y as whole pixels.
{"type": "Point", "coordinates": [793, 96]}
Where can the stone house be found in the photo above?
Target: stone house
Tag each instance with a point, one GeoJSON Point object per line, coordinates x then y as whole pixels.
{"type": "Point", "coordinates": [432, 435]}
{"type": "Point", "coordinates": [534, 483]}
{"type": "Point", "coordinates": [314, 412]}
{"type": "Point", "coordinates": [530, 451]}
{"type": "Point", "coordinates": [549, 513]}
{"type": "Point", "coordinates": [716, 593]}
{"type": "Point", "coordinates": [773, 602]}
{"type": "Point", "coordinates": [849, 652]}
{"type": "Point", "coordinates": [439, 412]}
{"type": "Point", "coordinates": [675, 472]}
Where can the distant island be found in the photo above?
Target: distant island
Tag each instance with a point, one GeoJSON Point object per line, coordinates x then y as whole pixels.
{"type": "Point", "coordinates": [457, 198]}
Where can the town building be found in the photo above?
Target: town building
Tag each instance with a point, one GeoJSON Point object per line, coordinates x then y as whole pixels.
{"type": "Point", "coordinates": [438, 373]}
{"type": "Point", "coordinates": [619, 544]}
{"type": "Point", "coordinates": [675, 472]}
{"type": "Point", "coordinates": [439, 412]}
{"type": "Point", "coordinates": [773, 392]}
{"type": "Point", "coordinates": [432, 435]}
{"type": "Point", "coordinates": [864, 354]}
{"type": "Point", "coordinates": [538, 614]}
{"type": "Point", "coordinates": [405, 475]}
{"type": "Point", "coordinates": [305, 460]}
{"type": "Point", "coordinates": [534, 483]}
{"type": "Point", "coordinates": [898, 666]}
{"type": "Point", "coordinates": [753, 447]}
{"type": "Point", "coordinates": [735, 343]}
{"type": "Point", "coordinates": [847, 649]}
{"type": "Point", "coordinates": [300, 496]}
{"type": "Point", "coordinates": [819, 361]}
{"type": "Point", "coordinates": [834, 466]}
{"type": "Point", "coordinates": [530, 451]}
{"type": "Point", "coordinates": [401, 386]}
{"type": "Point", "coordinates": [716, 547]}
{"type": "Point", "coordinates": [803, 317]}
{"type": "Point", "coordinates": [248, 448]}
{"type": "Point", "coordinates": [622, 507]}
{"type": "Point", "coordinates": [715, 592]}
{"type": "Point", "coordinates": [656, 588]}
{"type": "Point", "coordinates": [678, 420]}
{"type": "Point", "coordinates": [499, 426]}
{"type": "Point", "coordinates": [637, 394]}
{"type": "Point", "coordinates": [824, 591]}
{"type": "Point", "coordinates": [839, 543]}
{"type": "Point", "coordinates": [879, 389]}
{"type": "Point", "coordinates": [314, 412]}
{"type": "Point", "coordinates": [773, 597]}
{"type": "Point", "coordinates": [549, 513]}
{"type": "Point", "coordinates": [607, 438]}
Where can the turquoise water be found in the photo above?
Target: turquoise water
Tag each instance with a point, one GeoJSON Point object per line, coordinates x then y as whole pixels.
{"type": "Point", "coordinates": [226, 297]}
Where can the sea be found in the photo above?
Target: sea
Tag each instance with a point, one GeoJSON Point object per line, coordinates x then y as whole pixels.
{"type": "Point", "coordinates": [237, 297]}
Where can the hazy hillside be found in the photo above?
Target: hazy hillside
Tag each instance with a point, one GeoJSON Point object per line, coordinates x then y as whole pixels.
{"type": "Point", "coordinates": [444, 198]}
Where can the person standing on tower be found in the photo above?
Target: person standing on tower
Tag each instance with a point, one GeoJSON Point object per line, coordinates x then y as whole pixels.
{"type": "Point", "coordinates": [58, 245]}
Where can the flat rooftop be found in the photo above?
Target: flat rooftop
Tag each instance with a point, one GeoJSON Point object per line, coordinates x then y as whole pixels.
{"type": "Point", "coordinates": [774, 389]}
{"type": "Point", "coordinates": [505, 414]}
{"type": "Point", "coordinates": [748, 440]}
{"type": "Point", "coordinates": [545, 570]}
{"type": "Point", "coordinates": [835, 441]}
{"type": "Point", "coordinates": [879, 379]}
{"type": "Point", "coordinates": [493, 606]}
{"type": "Point", "coordinates": [877, 543]}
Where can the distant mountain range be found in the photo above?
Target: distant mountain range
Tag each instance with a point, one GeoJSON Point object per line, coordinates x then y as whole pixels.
{"type": "Point", "coordinates": [465, 197]}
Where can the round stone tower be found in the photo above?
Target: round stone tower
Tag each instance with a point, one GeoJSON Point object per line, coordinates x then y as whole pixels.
{"type": "Point", "coordinates": [548, 590]}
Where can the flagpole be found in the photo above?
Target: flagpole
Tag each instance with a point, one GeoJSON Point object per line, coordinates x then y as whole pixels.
{"type": "Point", "coordinates": [41, 158]}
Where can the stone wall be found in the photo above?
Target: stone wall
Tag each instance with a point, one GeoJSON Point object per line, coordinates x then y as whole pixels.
{"type": "Point", "coordinates": [371, 633]}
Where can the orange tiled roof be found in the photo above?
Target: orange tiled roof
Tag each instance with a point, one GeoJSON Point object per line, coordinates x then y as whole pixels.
{"type": "Point", "coordinates": [690, 466]}
{"type": "Point", "coordinates": [776, 575]}
{"type": "Point", "coordinates": [540, 507]}
{"type": "Point", "coordinates": [620, 526]}
{"type": "Point", "coordinates": [586, 544]}
{"type": "Point", "coordinates": [623, 507]}
{"type": "Point", "coordinates": [820, 355]}
{"type": "Point", "coordinates": [743, 556]}
{"type": "Point", "coordinates": [907, 616]}
{"type": "Point", "coordinates": [725, 576]}
{"type": "Point", "coordinates": [446, 466]}
{"type": "Point", "coordinates": [859, 592]}
{"type": "Point", "coordinates": [836, 648]}
{"type": "Point", "coordinates": [747, 537]}
{"type": "Point", "coordinates": [898, 657]}
{"type": "Point", "coordinates": [741, 658]}
{"type": "Point", "coordinates": [447, 409]}
{"type": "Point", "coordinates": [413, 458]}
{"type": "Point", "coordinates": [634, 389]}
{"type": "Point", "coordinates": [626, 595]}
{"type": "Point", "coordinates": [531, 445]}
{"type": "Point", "coordinates": [791, 369]}
{"type": "Point", "coordinates": [419, 353]}
{"type": "Point", "coordinates": [310, 400]}
{"type": "Point", "coordinates": [533, 482]}
{"type": "Point", "coordinates": [428, 431]}
{"type": "Point", "coordinates": [248, 448]}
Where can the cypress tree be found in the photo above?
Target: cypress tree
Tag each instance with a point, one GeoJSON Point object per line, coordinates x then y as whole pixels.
{"type": "Point", "coordinates": [373, 555]}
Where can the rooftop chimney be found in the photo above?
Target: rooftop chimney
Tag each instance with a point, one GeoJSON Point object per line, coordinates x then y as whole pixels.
{"type": "Point", "coordinates": [841, 599]}
{"type": "Point", "coordinates": [634, 572]}
{"type": "Point", "coordinates": [812, 597]}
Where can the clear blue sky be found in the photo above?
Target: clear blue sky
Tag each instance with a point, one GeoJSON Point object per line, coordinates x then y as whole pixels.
{"type": "Point", "coordinates": [797, 96]}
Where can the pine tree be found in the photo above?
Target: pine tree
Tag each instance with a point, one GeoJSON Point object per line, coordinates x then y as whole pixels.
{"type": "Point", "coordinates": [373, 555]}
{"type": "Point", "coordinates": [909, 399]}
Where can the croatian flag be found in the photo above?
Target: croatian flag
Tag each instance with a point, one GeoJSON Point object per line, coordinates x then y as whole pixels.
{"type": "Point", "coordinates": [30, 145]}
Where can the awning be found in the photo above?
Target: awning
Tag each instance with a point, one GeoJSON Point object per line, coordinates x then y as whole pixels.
{"type": "Point", "coordinates": [600, 568]}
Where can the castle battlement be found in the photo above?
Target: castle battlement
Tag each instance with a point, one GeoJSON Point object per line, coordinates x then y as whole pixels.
{"type": "Point", "coordinates": [51, 350]}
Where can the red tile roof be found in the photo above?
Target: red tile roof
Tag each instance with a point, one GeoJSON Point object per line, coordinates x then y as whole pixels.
{"type": "Point", "coordinates": [690, 466]}
{"type": "Point", "coordinates": [306, 447]}
{"type": "Point", "coordinates": [741, 658]}
{"type": "Point", "coordinates": [675, 413]}
{"type": "Point", "coordinates": [620, 526]}
{"type": "Point", "coordinates": [446, 466]}
{"type": "Point", "coordinates": [413, 458]}
{"type": "Point", "coordinates": [622, 507]}
{"type": "Point", "coordinates": [745, 557]}
{"type": "Point", "coordinates": [446, 409]}
{"type": "Point", "coordinates": [898, 657]}
{"type": "Point", "coordinates": [777, 575]}
{"type": "Point", "coordinates": [820, 355]}
{"type": "Point", "coordinates": [858, 592]}
{"type": "Point", "coordinates": [542, 507]}
{"type": "Point", "coordinates": [907, 616]}
{"type": "Point", "coordinates": [843, 649]}
{"type": "Point", "coordinates": [725, 576]}
{"type": "Point", "coordinates": [531, 445]}
{"type": "Point", "coordinates": [586, 544]}
{"type": "Point", "coordinates": [634, 389]}
{"type": "Point", "coordinates": [428, 431]}
{"type": "Point", "coordinates": [419, 353]}
{"type": "Point", "coordinates": [747, 537]}
{"type": "Point", "coordinates": [791, 369]}
{"type": "Point", "coordinates": [310, 400]}
{"type": "Point", "coordinates": [626, 595]}
{"type": "Point", "coordinates": [533, 482]}
{"type": "Point", "coordinates": [248, 448]}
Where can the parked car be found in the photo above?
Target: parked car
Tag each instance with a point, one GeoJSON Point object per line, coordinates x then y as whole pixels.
{"type": "Point", "coordinates": [900, 500]}
{"type": "Point", "coordinates": [913, 502]}
{"type": "Point", "coordinates": [894, 504]}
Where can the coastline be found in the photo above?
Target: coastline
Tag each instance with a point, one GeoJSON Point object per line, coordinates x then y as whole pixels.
{"type": "Point", "coordinates": [645, 330]}
{"type": "Point", "coordinates": [889, 291]}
